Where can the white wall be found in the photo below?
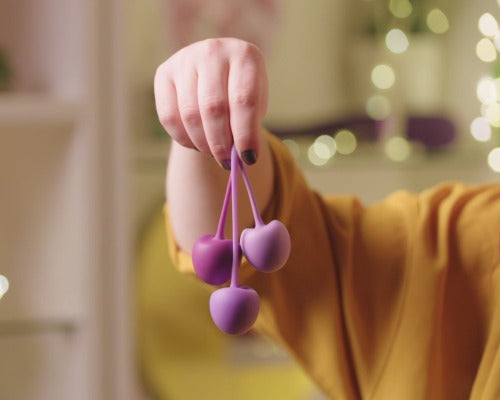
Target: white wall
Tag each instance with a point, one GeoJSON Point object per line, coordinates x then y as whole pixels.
{"type": "Point", "coordinates": [305, 64]}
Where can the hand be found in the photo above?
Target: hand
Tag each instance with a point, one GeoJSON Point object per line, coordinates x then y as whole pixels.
{"type": "Point", "coordinates": [213, 93]}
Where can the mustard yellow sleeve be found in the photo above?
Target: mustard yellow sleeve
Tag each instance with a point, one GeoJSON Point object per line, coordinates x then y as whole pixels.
{"type": "Point", "coordinates": [398, 300]}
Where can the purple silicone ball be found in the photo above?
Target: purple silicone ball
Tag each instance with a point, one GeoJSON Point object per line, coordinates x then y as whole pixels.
{"type": "Point", "coordinates": [212, 259]}
{"type": "Point", "coordinates": [234, 309]}
{"type": "Point", "coordinates": [266, 247]}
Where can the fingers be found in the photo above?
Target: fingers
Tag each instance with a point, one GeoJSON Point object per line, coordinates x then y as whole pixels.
{"type": "Point", "coordinates": [187, 100]}
{"type": "Point", "coordinates": [245, 94]}
{"type": "Point", "coordinates": [167, 108]}
{"type": "Point", "coordinates": [211, 94]}
{"type": "Point", "coordinates": [214, 109]}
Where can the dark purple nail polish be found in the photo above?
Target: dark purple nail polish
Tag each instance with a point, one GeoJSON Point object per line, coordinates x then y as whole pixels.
{"type": "Point", "coordinates": [226, 164]}
{"type": "Point", "coordinates": [249, 157]}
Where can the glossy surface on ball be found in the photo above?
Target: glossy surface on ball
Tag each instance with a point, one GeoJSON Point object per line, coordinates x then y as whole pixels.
{"type": "Point", "coordinates": [234, 309]}
{"type": "Point", "coordinates": [266, 247]}
{"type": "Point", "coordinates": [212, 259]}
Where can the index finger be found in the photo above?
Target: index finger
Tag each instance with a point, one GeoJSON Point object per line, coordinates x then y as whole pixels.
{"type": "Point", "coordinates": [245, 96]}
{"type": "Point", "coordinates": [167, 109]}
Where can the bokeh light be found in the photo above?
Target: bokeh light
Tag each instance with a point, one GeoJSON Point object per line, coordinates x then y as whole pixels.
{"type": "Point", "coordinates": [486, 90]}
{"type": "Point", "coordinates": [326, 146]}
{"type": "Point", "coordinates": [4, 285]}
{"type": "Point", "coordinates": [494, 159]}
{"type": "Point", "coordinates": [400, 8]}
{"type": "Point", "coordinates": [496, 41]}
{"type": "Point", "coordinates": [316, 154]}
{"type": "Point", "coordinates": [493, 114]}
{"type": "Point", "coordinates": [314, 158]}
{"type": "Point", "coordinates": [488, 25]}
{"type": "Point", "coordinates": [437, 21]}
{"type": "Point", "coordinates": [383, 76]}
{"type": "Point", "coordinates": [346, 142]}
{"type": "Point", "coordinates": [486, 51]}
{"type": "Point", "coordinates": [320, 152]}
{"type": "Point", "coordinates": [480, 129]}
{"type": "Point", "coordinates": [396, 41]}
{"type": "Point", "coordinates": [378, 107]}
{"type": "Point", "coordinates": [293, 147]}
{"type": "Point", "coordinates": [397, 149]}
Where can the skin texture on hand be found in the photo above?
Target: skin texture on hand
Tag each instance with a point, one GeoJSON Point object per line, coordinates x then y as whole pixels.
{"type": "Point", "coordinates": [210, 95]}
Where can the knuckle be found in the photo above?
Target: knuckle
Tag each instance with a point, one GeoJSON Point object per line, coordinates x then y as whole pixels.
{"type": "Point", "coordinates": [169, 119]}
{"type": "Point", "coordinates": [244, 99]}
{"type": "Point", "coordinates": [214, 108]}
{"type": "Point", "coordinates": [248, 51]}
{"type": "Point", "coordinates": [190, 115]}
{"type": "Point", "coordinates": [212, 47]}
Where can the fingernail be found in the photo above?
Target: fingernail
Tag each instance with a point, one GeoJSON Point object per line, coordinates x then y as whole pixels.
{"type": "Point", "coordinates": [226, 164]}
{"type": "Point", "coordinates": [249, 157]}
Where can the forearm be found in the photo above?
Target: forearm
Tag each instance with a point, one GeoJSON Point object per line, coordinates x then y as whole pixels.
{"type": "Point", "coordinates": [196, 185]}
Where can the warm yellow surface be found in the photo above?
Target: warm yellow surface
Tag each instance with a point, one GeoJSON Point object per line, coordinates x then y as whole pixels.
{"type": "Point", "coordinates": [399, 300]}
{"type": "Point", "coordinates": [182, 355]}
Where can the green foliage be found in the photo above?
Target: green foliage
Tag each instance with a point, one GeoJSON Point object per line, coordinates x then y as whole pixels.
{"type": "Point", "coordinates": [496, 69]}
{"type": "Point", "coordinates": [381, 18]}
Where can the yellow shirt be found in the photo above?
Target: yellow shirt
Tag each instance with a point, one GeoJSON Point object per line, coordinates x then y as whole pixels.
{"type": "Point", "coordinates": [398, 300]}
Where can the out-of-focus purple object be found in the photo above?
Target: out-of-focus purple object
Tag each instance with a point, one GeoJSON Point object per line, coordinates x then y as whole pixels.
{"type": "Point", "coordinates": [234, 309]}
{"type": "Point", "coordinates": [434, 132]}
{"type": "Point", "coordinates": [365, 128]}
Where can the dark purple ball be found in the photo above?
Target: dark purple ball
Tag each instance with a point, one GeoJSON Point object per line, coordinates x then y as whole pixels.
{"type": "Point", "coordinates": [212, 259]}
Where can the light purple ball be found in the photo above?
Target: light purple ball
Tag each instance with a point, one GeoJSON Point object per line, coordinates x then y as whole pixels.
{"type": "Point", "coordinates": [234, 309]}
{"type": "Point", "coordinates": [266, 247]}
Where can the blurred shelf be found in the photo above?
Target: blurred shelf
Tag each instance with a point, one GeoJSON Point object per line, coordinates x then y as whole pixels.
{"type": "Point", "coordinates": [36, 112]}
{"type": "Point", "coordinates": [33, 326]}
{"type": "Point", "coordinates": [465, 154]}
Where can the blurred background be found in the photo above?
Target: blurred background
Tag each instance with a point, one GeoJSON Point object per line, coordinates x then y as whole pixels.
{"type": "Point", "coordinates": [370, 96]}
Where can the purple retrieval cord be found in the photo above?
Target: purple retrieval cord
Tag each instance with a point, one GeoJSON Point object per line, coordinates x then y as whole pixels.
{"type": "Point", "coordinates": [234, 198]}
{"type": "Point", "coordinates": [219, 234]}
